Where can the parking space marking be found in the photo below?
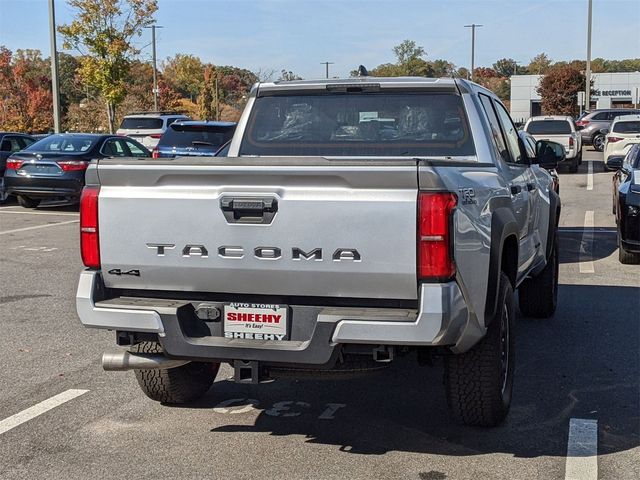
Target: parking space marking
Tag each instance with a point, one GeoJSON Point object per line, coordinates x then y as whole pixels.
{"type": "Point", "coordinates": [586, 244]}
{"type": "Point", "coordinates": [38, 226]}
{"type": "Point", "coordinates": [24, 416]}
{"type": "Point", "coordinates": [54, 214]}
{"type": "Point", "coordinates": [582, 450]}
{"type": "Point", "coordinates": [590, 176]}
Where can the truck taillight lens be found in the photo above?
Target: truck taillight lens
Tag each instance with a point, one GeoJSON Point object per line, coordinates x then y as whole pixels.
{"type": "Point", "coordinates": [155, 153]}
{"type": "Point", "coordinates": [571, 141]}
{"type": "Point", "coordinates": [89, 244]}
{"type": "Point", "coordinates": [613, 139]}
{"type": "Point", "coordinates": [14, 164]}
{"type": "Point", "coordinates": [435, 212]}
{"type": "Point", "coordinates": [156, 135]}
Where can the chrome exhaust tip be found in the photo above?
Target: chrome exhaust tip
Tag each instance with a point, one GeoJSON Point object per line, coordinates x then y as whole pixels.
{"type": "Point", "coordinates": [122, 361]}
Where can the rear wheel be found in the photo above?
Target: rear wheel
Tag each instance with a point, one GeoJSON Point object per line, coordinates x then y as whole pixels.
{"type": "Point", "coordinates": [626, 257]}
{"type": "Point", "coordinates": [538, 296]}
{"type": "Point", "coordinates": [598, 142]}
{"type": "Point", "coordinates": [28, 202]}
{"type": "Point", "coordinates": [580, 158]}
{"type": "Point", "coordinates": [573, 168]}
{"type": "Point", "coordinates": [479, 382]}
{"type": "Point", "coordinates": [175, 385]}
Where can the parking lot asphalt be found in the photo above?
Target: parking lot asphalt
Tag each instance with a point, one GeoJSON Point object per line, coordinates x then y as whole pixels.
{"type": "Point", "coordinates": [61, 416]}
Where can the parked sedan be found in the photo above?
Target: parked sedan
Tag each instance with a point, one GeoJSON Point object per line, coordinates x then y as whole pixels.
{"type": "Point", "coordinates": [54, 167]}
{"type": "Point", "coordinates": [188, 138]}
{"type": "Point", "coordinates": [9, 144]}
{"type": "Point", "coordinates": [590, 124]}
{"type": "Point", "coordinates": [626, 206]}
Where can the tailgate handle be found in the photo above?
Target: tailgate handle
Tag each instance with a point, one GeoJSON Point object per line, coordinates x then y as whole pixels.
{"type": "Point", "coordinates": [249, 209]}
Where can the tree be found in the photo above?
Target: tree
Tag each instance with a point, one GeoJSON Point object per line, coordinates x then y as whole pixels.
{"type": "Point", "coordinates": [206, 100]}
{"type": "Point", "coordinates": [559, 90]}
{"type": "Point", "coordinates": [25, 97]}
{"type": "Point", "coordinates": [539, 65]}
{"type": "Point", "coordinates": [408, 52]}
{"type": "Point", "coordinates": [185, 73]}
{"type": "Point", "coordinates": [102, 32]}
{"type": "Point", "coordinates": [441, 68]}
{"type": "Point", "coordinates": [288, 75]}
{"type": "Point", "coordinates": [506, 67]}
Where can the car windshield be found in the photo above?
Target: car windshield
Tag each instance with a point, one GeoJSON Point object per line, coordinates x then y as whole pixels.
{"type": "Point", "coordinates": [360, 124]}
{"type": "Point", "coordinates": [626, 127]}
{"type": "Point", "coordinates": [141, 123]}
{"type": "Point", "coordinates": [204, 137]}
{"type": "Point", "coordinates": [549, 127]}
{"type": "Point", "coordinates": [63, 144]}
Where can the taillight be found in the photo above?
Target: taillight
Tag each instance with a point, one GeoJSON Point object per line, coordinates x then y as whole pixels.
{"type": "Point", "coordinates": [14, 164]}
{"type": "Point", "coordinates": [571, 141]}
{"type": "Point", "coordinates": [155, 153]}
{"type": "Point", "coordinates": [582, 123]}
{"type": "Point", "coordinates": [614, 139]}
{"type": "Point", "coordinates": [434, 236]}
{"type": "Point", "coordinates": [72, 165]}
{"type": "Point", "coordinates": [155, 135]}
{"type": "Point", "coordinates": [89, 244]}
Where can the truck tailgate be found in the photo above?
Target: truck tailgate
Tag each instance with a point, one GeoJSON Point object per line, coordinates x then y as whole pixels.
{"type": "Point", "coordinates": [308, 226]}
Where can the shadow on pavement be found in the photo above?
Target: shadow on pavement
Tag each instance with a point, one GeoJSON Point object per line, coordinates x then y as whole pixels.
{"type": "Point", "coordinates": [583, 363]}
{"type": "Point", "coordinates": [575, 246]}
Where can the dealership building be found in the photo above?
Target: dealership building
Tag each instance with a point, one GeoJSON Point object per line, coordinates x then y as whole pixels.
{"type": "Point", "coordinates": [610, 90]}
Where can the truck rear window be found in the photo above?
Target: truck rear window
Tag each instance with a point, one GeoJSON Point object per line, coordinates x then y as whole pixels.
{"type": "Point", "coordinates": [549, 127]}
{"type": "Point", "coordinates": [360, 124]}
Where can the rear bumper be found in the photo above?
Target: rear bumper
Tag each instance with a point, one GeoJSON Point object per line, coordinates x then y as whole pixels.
{"type": "Point", "coordinates": [69, 186]}
{"type": "Point", "coordinates": [316, 335]}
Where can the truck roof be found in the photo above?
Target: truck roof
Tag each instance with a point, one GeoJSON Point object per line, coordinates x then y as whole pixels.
{"type": "Point", "coordinates": [410, 83]}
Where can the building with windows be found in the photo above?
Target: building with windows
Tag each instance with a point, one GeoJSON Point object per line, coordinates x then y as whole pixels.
{"type": "Point", "coordinates": [610, 90]}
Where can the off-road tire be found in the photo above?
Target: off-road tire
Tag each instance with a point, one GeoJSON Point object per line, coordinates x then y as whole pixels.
{"type": "Point", "coordinates": [479, 383]}
{"type": "Point", "coordinates": [626, 257]}
{"type": "Point", "coordinates": [573, 168]}
{"type": "Point", "coordinates": [538, 296]}
{"type": "Point", "coordinates": [579, 157]}
{"type": "Point", "coordinates": [28, 202]}
{"type": "Point", "coordinates": [174, 385]}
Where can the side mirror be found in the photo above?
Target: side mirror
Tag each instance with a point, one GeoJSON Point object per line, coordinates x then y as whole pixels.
{"type": "Point", "coordinates": [614, 163]}
{"type": "Point", "coordinates": [549, 154]}
{"type": "Point", "coordinates": [604, 131]}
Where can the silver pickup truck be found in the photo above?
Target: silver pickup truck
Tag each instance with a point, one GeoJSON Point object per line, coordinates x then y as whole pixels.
{"type": "Point", "coordinates": [351, 222]}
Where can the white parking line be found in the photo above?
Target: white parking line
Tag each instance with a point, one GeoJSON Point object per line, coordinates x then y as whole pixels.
{"type": "Point", "coordinates": [24, 416]}
{"type": "Point", "coordinates": [61, 214]}
{"type": "Point", "coordinates": [590, 176]}
{"type": "Point", "coordinates": [586, 244]}
{"type": "Point", "coordinates": [582, 450]}
{"type": "Point", "coordinates": [38, 226]}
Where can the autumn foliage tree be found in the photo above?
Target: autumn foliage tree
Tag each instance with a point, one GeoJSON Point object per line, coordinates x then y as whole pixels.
{"type": "Point", "coordinates": [559, 89]}
{"type": "Point", "coordinates": [103, 32]}
{"type": "Point", "coordinates": [25, 96]}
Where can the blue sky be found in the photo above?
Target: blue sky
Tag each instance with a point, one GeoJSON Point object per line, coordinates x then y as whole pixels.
{"type": "Point", "coordinates": [299, 34]}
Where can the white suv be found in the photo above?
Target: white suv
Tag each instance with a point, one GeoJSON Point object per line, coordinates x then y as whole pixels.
{"type": "Point", "coordinates": [148, 127]}
{"type": "Point", "coordinates": [623, 134]}
{"type": "Point", "coordinates": [562, 130]}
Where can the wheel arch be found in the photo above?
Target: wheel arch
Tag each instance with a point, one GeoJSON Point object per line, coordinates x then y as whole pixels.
{"type": "Point", "coordinates": [503, 257]}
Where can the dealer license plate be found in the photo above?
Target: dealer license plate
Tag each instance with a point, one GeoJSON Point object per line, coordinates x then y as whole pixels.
{"type": "Point", "coordinates": [255, 321]}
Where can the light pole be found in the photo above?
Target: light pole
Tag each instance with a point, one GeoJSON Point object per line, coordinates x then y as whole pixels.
{"type": "Point", "coordinates": [473, 27]}
{"type": "Point", "coordinates": [155, 72]}
{"type": "Point", "coordinates": [55, 82]}
{"type": "Point", "coordinates": [587, 90]}
{"type": "Point", "coordinates": [326, 65]}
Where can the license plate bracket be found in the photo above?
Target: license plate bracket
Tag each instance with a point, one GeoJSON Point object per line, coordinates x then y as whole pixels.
{"type": "Point", "coordinates": [252, 321]}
